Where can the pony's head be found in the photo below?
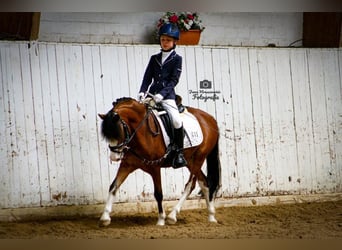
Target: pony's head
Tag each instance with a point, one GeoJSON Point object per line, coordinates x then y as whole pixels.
{"type": "Point", "coordinates": [115, 130]}
{"type": "Point", "coordinates": [110, 127]}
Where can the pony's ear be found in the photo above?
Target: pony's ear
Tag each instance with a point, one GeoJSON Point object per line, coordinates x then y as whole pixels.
{"type": "Point", "coordinates": [102, 116]}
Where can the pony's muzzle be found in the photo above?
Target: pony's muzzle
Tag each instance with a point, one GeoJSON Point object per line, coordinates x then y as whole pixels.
{"type": "Point", "coordinates": [115, 156]}
{"type": "Point", "coordinates": [116, 153]}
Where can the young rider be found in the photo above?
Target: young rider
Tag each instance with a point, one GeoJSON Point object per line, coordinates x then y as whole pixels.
{"type": "Point", "coordinates": [160, 78]}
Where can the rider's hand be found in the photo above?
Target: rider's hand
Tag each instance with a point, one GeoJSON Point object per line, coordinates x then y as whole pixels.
{"type": "Point", "coordinates": [141, 96]}
{"type": "Point", "coordinates": [158, 98]}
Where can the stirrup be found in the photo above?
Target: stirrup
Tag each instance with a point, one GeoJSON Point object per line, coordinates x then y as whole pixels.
{"type": "Point", "coordinates": [179, 161]}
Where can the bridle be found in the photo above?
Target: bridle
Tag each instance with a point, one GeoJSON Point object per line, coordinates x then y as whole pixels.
{"type": "Point", "coordinates": [122, 146]}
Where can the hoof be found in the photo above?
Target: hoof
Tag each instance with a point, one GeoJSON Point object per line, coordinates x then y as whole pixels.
{"type": "Point", "coordinates": [212, 219]}
{"type": "Point", "coordinates": [104, 223]}
{"type": "Point", "coordinates": [171, 220]}
{"type": "Point", "coordinates": [160, 223]}
{"type": "Point", "coordinates": [161, 219]}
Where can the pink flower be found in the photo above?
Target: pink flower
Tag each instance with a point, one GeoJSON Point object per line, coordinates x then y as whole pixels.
{"type": "Point", "coordinates": [160, 23]}
{"type": "Point", "coordinates": [189, 16]}
{"type": "Point", "coordinates": [173, 18]}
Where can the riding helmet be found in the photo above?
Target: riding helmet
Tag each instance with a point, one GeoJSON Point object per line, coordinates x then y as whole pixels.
{"type": "Point", "coordinates": [169, 29]}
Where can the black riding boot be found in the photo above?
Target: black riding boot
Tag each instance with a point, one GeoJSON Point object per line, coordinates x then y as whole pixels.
{"type": "Point", "coordinates": [179, 160]}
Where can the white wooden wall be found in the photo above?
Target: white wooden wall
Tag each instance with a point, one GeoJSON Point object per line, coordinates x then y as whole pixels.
{"type": "Point", "coordinates": [279, 112]}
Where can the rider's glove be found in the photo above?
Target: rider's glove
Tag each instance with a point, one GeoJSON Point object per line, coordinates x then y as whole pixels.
{"type": "Point", "coordinates": [141, 96]}
{"type": "Point", "coordinates": [158, 98]}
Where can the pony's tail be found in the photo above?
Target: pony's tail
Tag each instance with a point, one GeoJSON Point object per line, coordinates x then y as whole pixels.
{"type": "Point", "coordinates": [213, 171]}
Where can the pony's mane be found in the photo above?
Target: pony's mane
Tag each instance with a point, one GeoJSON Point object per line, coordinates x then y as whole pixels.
{"type": "Point", "coordinates": [122, 100]}
{"type": "Point", "coordinates": [110, 128]}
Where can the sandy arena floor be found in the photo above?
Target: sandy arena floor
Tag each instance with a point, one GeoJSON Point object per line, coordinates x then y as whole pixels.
{"type": "Point", "coordinates": [296, 221]}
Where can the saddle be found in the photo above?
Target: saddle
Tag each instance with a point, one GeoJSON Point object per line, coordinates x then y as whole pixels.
{"type": "Point", "coordinates": [192, 130]}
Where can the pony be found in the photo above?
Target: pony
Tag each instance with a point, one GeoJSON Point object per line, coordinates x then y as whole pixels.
{"type": "Point", "coordinates": [134, 138]}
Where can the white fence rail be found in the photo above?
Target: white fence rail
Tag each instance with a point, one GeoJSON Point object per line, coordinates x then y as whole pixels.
{"type": "Point", "coordinates": [279, 111]}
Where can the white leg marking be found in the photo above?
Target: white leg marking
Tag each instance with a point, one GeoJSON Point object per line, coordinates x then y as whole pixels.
{"type": "Point", "coordinates": [210, 204]}
{"type": "Point", "coordinates": [211, 210]}
{"type": "Point", "coordinates": [161, 219]}
{"type": "Point", "coordinates": [105, 217]}
{"type": "Point", "coordinates": [172, 217]}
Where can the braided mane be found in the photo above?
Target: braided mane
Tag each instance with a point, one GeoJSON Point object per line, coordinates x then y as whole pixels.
{"type": "Point", "coordinates": [121, 100]}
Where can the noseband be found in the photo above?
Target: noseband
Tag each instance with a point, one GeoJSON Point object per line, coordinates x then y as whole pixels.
{"type": "Point", "coordinates": [123, 145]}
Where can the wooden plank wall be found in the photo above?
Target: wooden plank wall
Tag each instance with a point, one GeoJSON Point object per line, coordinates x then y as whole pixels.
{"type": "Point", "coordinates": [279, 111]}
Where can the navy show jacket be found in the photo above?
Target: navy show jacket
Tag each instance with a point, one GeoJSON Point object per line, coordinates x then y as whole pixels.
{"type": "Point", "coordinates": [164, 77]}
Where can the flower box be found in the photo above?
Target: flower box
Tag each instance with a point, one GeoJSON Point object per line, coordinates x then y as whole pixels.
{"type": "Point", "coordinates": [190, 37]}
{"type": "Point", "coordinates": [189, 24]}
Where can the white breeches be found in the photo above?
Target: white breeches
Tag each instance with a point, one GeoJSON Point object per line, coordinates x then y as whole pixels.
{"type": "Point", "coordinates": [171, 108]}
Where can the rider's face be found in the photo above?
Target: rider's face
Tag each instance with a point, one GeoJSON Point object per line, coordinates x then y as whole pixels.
{"type": "Point", "coordinates": [167, 42]}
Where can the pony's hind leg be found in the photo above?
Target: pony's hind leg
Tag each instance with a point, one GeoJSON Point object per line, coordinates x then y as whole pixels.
{"type": "Point", "coordinates": [189, 186]}
{"type": "Point", "coordinates": [210, 203]}
{"type": "Point", "coordinates": [122, 174]}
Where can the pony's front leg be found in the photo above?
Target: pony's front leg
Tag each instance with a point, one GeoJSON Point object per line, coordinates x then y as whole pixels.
{"type": "Point", "coordinates": [189, 186]}
{"type": "Point", "coordinates": [105, 217]}
{"type": "Point", "coordinates": [161, 213]}
{"type": "Point", "coordinates": [122, 174]}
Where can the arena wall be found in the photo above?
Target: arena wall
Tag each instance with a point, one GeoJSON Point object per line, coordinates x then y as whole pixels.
{"type": "Point", "coordinates": [279, 112]}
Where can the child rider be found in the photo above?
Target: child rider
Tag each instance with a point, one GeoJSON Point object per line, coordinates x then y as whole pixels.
{"type": "Point", "coordinates": [160, 78]}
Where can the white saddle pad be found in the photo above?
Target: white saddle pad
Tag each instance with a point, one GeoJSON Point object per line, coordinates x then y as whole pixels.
{"type": "Point", "coordinates": [193, 133]}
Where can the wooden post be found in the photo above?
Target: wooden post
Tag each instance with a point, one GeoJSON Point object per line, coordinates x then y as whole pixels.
{"type": "Point", "coordinates": [35, 26]}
